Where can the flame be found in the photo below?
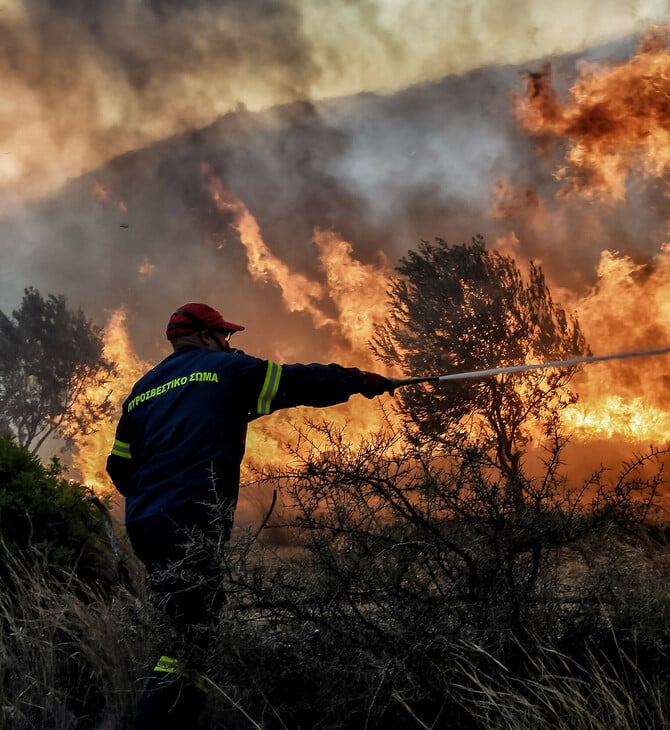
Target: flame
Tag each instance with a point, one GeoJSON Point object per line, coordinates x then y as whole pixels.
{"type": "Point", "coordinates": [146, 268]}
{"type": "Point", "coordinates": [616, 121]}
{"type": "Point", "coordinates": [299, 293]}
{"type": "Point", "coordinates": [358, 290]}
{"type": "Point", "coordinates": [103, 193]}
{"type": "Point", "coordinates": [627, 310]}
{"type": "Point", "coordinates": [612, 416]}
{"type": "Point", "coordinates": [90, 455]}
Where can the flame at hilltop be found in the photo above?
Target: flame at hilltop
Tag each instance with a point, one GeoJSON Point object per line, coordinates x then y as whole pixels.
{"type": "Point", "coordinates": [616, 123]}
{"type": "Point", "coordinates": [611, 137]}
{"type": "Point", "coordinates": [299, 294]}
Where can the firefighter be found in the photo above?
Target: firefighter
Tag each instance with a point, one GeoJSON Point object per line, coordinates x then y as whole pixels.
{"type": "Point", "coordinates": [176, 459]}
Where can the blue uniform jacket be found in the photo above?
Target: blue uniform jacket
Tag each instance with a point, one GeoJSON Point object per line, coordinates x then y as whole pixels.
{"type": "Point", "coordinates": [181, 436]}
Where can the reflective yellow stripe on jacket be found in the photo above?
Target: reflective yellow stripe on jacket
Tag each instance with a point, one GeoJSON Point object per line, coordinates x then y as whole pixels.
{"type": "Point", "coordinates": [170, 665]}
{"type": "Point", "coordinates": [269, 389]}
{"type": "Point", "coordinates": [121, 448]}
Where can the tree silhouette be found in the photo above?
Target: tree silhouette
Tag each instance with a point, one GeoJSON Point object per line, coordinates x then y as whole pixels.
{"type": "Point", "coordinates": [463, 308]}
{"type": "Point", "coordinates": [52, 371]}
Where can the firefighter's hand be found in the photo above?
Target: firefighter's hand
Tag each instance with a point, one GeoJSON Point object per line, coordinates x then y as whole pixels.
{"type": "Point", "coordinates": [374, 384]}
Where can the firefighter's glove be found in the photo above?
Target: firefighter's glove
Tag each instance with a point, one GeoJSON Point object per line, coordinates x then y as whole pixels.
{"type": "Point", "coordinates": [374, 384]}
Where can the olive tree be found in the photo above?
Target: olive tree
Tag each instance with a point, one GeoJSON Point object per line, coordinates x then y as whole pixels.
{"type": "Point", "coordinates": [488, 517]}
{"type": "Point", "coordinates": [464, 308]}
{"type": "Point", "coordinates": [53, 371]}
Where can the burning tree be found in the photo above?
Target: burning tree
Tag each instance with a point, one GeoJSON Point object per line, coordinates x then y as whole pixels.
{"type": "Point", "coordinates": [464, 308]}
{"type": "Point", "coordinates": [451, 520]}
{"type": "Point", "coordinates": [52, 371]}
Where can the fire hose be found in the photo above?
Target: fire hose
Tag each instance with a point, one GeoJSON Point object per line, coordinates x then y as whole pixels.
{"type": "Point", "coordinates": [400, 382]}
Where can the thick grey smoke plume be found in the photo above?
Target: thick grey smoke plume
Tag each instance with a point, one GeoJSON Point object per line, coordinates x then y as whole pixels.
{"type": "Point", "coordinates": [84, 81]}
{"type": "Point", "coordinates": [383, 172]}
{"type": "Point", "coordinates": [87, 80]}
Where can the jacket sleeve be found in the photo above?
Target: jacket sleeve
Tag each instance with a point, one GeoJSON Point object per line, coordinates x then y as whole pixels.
{"type": "Point", "coordinates": [315, 385]}
{"type": "Point", "coordinates": [119, 462]}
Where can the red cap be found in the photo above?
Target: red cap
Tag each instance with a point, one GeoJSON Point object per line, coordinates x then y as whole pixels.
{"type": "Point", "coordinates": [194, 317]}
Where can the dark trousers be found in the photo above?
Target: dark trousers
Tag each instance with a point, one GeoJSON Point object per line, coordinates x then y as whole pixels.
{"type": "Point", "coordinates": [181, 552]}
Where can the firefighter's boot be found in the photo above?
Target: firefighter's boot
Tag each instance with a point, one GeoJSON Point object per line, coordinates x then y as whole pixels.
{"type": "Point", "coordinates": [172, 698]}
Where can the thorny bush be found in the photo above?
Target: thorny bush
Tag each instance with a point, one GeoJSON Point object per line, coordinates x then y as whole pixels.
{"type": "Point", "coordinates": [394, 531]}
{"type": "Point", "coordinates": [401, 560]}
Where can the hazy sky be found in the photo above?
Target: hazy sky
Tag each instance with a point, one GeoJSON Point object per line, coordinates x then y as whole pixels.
{"type": "Point", "coordinates": [85, 80]}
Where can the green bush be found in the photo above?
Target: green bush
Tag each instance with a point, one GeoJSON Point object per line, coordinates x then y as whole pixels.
{"type": "Point", "coordinates": [46, 519]}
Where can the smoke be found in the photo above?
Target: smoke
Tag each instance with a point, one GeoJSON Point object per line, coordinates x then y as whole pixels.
{"type": "Point", "coordinates": [84, 81]}
{"type": "Point", "coordinates": [447, 158]}
{"type": "Point", "coordinates": [93, 79]}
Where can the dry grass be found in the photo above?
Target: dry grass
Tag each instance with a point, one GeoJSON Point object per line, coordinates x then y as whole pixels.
{"type": "Point", "coordinates": [67, 652]}
{"type": "Point", "coordinates": [72, 657]}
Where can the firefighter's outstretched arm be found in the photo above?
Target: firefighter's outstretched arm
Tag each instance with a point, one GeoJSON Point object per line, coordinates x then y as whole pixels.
{"type": "Point", "coordinates": [285, 386]}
